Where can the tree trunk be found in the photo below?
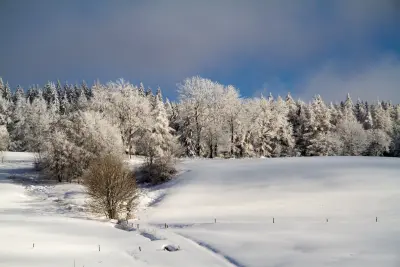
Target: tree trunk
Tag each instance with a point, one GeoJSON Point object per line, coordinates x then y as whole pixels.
{"type": "Point", "coordinates": [241, 151]}
{"type": "Point", "coordinates": [111, 213]}
{"type": "Point", "coordinates": [232, 138]}
{"type": "Point", "coordinates": [198, 132]}
{"type": "Point", "coordinates": [130, 143]}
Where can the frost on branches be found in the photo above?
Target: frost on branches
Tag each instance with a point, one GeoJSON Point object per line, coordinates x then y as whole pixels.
{"type": "Point", "coordinates": [75, 141]}
{"type": "Point", "coordinates": [69, 123]}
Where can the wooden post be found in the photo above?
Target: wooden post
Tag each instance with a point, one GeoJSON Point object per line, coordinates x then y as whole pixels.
{"type": "Point", "coordinates": [99, 247]}
{"type": "Point", "coordinates": [327, 220]}
{"type": "Point", "coordinates": [273, 220]}
{"type": "Point", "coordinates": [376, 219]}
{"type": "Point", "coordinates": [215, 220]}
{"type": "Point", "coordinates": [140, 249]}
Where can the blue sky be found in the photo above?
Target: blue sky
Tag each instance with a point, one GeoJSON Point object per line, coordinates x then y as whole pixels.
{"type": "Point", "coordinates": [306, 47]}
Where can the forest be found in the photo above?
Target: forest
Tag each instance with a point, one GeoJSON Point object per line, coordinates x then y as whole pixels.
{"type": "Point", "coordinates": [208, 119]}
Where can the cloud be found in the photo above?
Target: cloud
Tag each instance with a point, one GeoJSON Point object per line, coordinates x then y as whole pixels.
{"type": "Point", "coordinates": [375, 80]}
{"type": "Point", "coordinates": [164, 41]}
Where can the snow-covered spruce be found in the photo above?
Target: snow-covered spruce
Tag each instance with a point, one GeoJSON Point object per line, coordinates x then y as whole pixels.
{"type": "Point", "coordinates": [208, 120]}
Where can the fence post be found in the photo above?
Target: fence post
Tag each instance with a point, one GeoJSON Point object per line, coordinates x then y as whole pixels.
{"type": "Point", "coordinates": [376, 219]}
{"type": "Point", "coordinates": [273, 220]}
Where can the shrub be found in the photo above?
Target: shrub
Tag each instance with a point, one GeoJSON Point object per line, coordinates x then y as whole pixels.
{"type": "Point", "coordinates": [111, 187]}
{"type": "Point", "coordinates": [158, 170]}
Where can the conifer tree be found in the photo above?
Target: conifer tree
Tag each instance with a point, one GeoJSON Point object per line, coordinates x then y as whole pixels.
{"type": "Point", "coordinates": [7, 95]}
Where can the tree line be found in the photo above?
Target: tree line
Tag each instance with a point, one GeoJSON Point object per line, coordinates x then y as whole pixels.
{"type": "Point", "coordinates": [208, 119]}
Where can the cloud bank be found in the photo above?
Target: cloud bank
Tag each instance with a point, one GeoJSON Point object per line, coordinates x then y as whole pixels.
{"type": "Point", "coordinates": [165, 41]}
{"type": "Point", "coordinates": [377, 80]}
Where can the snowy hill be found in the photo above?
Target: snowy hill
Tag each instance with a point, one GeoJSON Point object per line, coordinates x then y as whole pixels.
{"type": "Point", "coordinates": [289, 212]}
{"type": "Point", "coordinates": [269, 212]}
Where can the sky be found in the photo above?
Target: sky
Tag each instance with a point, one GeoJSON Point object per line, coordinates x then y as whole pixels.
{"type": "Point", "coordinates": [306, 47]}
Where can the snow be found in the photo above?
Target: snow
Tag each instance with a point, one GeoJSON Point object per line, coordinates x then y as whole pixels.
{"type": "Point", "coordinates": [135, 161]}
{"type": "Point", "coordinates": [299, 195]}
{"type": "Point", "coordinates": [38, 229]}
{"type": "Point", "coordinates": [268, 212]}
{"type": "Point", "coordinates": [18, 157]}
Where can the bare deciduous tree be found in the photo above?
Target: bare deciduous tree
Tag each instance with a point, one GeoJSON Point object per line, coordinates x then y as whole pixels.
{"type": "Point", "coordinates": [111, 187]}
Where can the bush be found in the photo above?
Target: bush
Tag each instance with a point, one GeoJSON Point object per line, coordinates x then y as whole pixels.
{"type": "Point", "coordinates": [158, 170]}
{"type": "Point", "coordinates": [111, 187]}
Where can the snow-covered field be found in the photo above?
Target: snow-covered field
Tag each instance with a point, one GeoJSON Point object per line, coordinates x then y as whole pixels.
{"type": "Point", "coordinates": [268, 212]}
{"type": "Point", "coordinates": [290, 212]}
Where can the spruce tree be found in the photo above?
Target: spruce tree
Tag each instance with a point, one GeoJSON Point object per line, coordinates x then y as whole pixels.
{"type": "Point", "coordinates": [141, 90]}
{"type": "Point", "coordinates": [64, 104]}
{"type": "Point", "coordinates": [31, 94]}
{"type": "Point", "coordinates": [87, 90]}
{"type": "Point", "coordinates": [282, 139]}
{"type": "Point", "coordinates": [361, 112]}
{"type": "Point", "coordinates": [320, 143]}
{"type": "Point", "coordinates": [382, 118]}
{"type": "Point", "coordinates": [348, 109]}
{"type": "Point", "coordinates": [82, 101]}
{"type": "Point", "coordinates": [18, 115]}
{"type": "Point", "coordinates": [159, 95]}
{"type": "Point", "coordinates": [7, 95]}
{"type": "Point", "coordinates": [59, 89]}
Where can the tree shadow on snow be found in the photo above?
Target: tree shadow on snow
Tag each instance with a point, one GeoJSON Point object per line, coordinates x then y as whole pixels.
{"type": "Point", "coordinates": [164, 188]}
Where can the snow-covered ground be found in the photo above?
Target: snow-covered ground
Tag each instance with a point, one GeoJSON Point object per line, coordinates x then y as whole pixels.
{"type": "Point", "coordinates": [44, 224]}
{"type": "Point", "coordinates": [268, 212]}
{"type": "Point", "coordinates": [289, 212]}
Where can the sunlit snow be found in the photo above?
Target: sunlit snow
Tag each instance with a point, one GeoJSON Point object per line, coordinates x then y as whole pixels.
{"type": "Point", "coordinates": [338, 211]}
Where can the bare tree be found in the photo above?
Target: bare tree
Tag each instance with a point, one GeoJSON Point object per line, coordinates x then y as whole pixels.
{"type": "Point", "coordinates": [111, 187]}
